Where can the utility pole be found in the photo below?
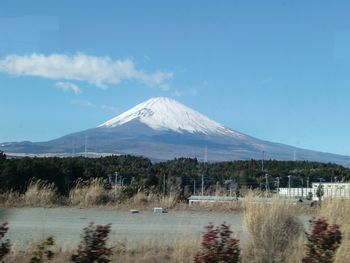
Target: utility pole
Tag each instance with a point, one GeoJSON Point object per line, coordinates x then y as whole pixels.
{"type": "Point", "coordinates": [163, 184]}
{"type": "Point", "coordinates": [115, 178]}
{"type": "Point", "coordinates": [202, 184]}
{"type": "Point", "coordinates": [278, 184]}
{"type": "Point", "coordinates": [289, 184]}
{"type": "Point", "coordinates": [115, 182]}
{"type": "Point", "coordinates": [267, 187]}
{"type": "Point", "coordinates": [302, 187]}
{"type": "Point", "coordinates": [262, 161]}
{"type": "Point", "coordinates": [194, 187]}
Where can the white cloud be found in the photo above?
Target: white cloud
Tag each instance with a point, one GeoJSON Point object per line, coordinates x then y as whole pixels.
{"type": "Point", "coordinates": [68, 86]}
{"type": "Point", "coordinates": [194, 92]}
{"type": "Point", "coordinates": [83, 103]}
{"type": "Point", "coordinates": [179, 93]}
{"type": "Point", "coordinates": [89, 104]}
{"type": "Point", "coordinates": [99, 71]}
{"type": "Point", "coordinates": [188, 92]}
{"type": "Point", "coordinates": [109, 108]}
{"type": "Point", "coordinates": [164, 87]}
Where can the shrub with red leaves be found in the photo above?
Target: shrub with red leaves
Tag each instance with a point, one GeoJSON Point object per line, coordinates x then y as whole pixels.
{"type": "Point", "coordinates": [218, 245]}
{"type": "Point", "coordinates": [322, 242]}
{"type": "Point", "coordinates": [4, 244]}
{"type": "Point", "coordinates": [93, 247]}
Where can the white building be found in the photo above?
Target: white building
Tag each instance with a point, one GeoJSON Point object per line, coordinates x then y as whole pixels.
{"type": "Point", "coordinates": [334, 190]}
{"type": "Point", "coordinates": [209, 199]}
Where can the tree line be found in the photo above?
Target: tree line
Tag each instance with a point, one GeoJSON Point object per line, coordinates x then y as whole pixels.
{"type": "Point", "coordinates": [182, 174]}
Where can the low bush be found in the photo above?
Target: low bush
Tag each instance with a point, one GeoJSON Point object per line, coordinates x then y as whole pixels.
{"type": "Point", "coordinates": [43, 250]}
{"type": "Point", "coordinates": [93, 246]}
{"type": "Point", "coordinates": [4, 244]}
{"type": "Point", "coordinates": [218, 245]}
{"type": "Point", "coordinates": [322, 242]}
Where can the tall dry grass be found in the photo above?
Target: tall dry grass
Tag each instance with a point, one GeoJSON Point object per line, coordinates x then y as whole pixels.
{"type": "Point", "coordinates": [40, 193]}
{"type": "Point", "coordinates": [10, 198]}
{"type": "Point", "coordinates": [337, 211]}
{"type": "Point", "coordinates": [275, 233]}
{"type": "Point", "coordinates": [90, 193]}
{"type": "Point", "coordinates": [146, 200]}
{"type": "Point", "coordinates": [94, 193]}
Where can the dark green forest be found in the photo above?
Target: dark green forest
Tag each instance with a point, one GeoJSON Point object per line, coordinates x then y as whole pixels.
{"type": "Point", "coordinates": [179, 174]}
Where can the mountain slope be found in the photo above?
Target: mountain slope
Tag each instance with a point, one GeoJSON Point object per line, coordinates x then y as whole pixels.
{"type": "Point", "coordinates": [161, 129]}
{"type": "Point", "coordinates": [167, 114]}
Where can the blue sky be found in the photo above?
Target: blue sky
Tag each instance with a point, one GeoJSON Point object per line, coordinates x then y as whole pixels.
{"type": "Point", "coordinates": [276, 70]}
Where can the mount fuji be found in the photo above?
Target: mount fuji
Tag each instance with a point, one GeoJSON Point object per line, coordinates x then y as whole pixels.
{"type": "Point", "coordinates": [162, 129]}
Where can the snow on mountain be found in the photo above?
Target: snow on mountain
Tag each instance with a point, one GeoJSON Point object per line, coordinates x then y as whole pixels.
{"type": "Point", "coordinates": [163, 129]}
{"type": "Point", "coordinates": [163, 114]}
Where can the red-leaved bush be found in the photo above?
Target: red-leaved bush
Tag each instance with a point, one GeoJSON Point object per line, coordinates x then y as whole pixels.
{"type": "Point", "coordinates": [93, 247]}
{"type": "Point", "coordinates": [4, 244]}
{"type": "Point", "coordinates": [218, 245]}
{"type": "Point", "coordinates": [322, 242]}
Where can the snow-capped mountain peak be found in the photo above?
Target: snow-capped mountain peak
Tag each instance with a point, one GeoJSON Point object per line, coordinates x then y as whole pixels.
{"type": "Point", "coordinates": [163, 113]}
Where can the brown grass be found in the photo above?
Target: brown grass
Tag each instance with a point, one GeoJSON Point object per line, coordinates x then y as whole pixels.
{"type": "Point", "coordinates": [182, 250]}
{"type": "Point", "coordinates": [274, 231]}
{"type": "Point", "coordinates": [146, 251]}
{"type": "Point", "coordinates": [10, 198]}
{"type": "Point", "coordinates": [40, 193]}
{"type": "Point", "coordinates": [90, 193]}
{"type": "Point", "coordinates": [93, 193]}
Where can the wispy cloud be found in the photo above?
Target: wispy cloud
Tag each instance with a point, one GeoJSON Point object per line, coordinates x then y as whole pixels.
{"type": "Point", "coordinates": [189, 92]}
{"type": "Point", "coordinates": [109, 108]}
{"type": "Point", "coordinates": [68, 86]}
{"type": "Point", "coordinates": [178, 93]}
{"type": "Point", "coordinates": [266, 80]}
{"type": "Point", "coordinates": [89, 104]}
{"type": "Point", "coordinates": [99, 71]}
{"type": "Point", "coordinates": [83, 103]}
{"type": "Point", "coordinates": [194, 92]}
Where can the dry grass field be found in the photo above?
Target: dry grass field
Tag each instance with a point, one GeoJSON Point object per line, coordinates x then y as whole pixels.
{"type": "Point", "coordinates": [275, 233]}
